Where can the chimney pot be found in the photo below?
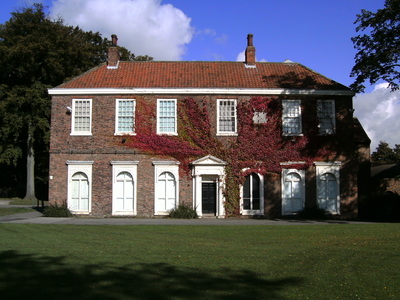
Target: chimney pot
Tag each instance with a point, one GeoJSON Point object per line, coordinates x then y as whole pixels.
{"type": "Point", "coordinates": [114, 40]}
{"type": "Point", "coordinates": [250, 53]}
{"type": "Point", "coordinates": [250, 39]}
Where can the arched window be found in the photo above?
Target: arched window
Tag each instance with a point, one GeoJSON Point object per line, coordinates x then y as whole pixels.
{"type": "Point", "coordinates": [292, 192]}
{"type": "Point", "coordinates": [79, 193]}
{"type": "Point", "coordinates": [328, 192]}
{"type": "Point", "coordinates": [166, 192]}
{"type": "Point", "coordinates": [251, 192]}
{"type": "Point", "coordinates": [124, 192]}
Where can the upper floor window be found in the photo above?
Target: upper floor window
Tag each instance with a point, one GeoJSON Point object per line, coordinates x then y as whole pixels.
{"type": "Point", "coordinates": [227, 116]}
{"type": "Point", "coordinates": [166, 116]}
{"type": "Point", "coordinates": [291, 117]}
{"type": "Point", "coordinates": [326, 116]}
{"type": "Point", "coordinates": [81, 117]}
{"type": "Point", "coordinates": [125, 116]}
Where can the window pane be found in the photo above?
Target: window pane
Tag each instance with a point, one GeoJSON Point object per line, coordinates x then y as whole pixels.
{"type": "Point", "coordinates": [126, 115]}
{"type": "Point", "coordinates": [227, 116]}
{"type": "Point", "coordinates": [256, 191]}
{"type": "Point", "coordinates": [293, 193]}
{"type": "Point", "coordinates": [291, 117]}
{"type": "Point", "coordinates": [166, 116]}
{"type": "Point", "coordinates": [246, 193]}
{"type": "Point", "coordinates": [80, 192]}
{"type": "Point", "coordinates": [82, 115]}
{"type": "Point", "coordinates": [166, 189]}
{"type": "Point", "coordinates": [328, 192]}
{"type": "Point", "coordinates": [326, 116]}
{"type": "Point", "coordinates": [251, 192]}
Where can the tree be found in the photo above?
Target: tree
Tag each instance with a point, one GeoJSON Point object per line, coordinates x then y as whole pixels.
{"type": "Point", "coordinates": [385, 154]}
{"type": "Point", "coordinates": [379, 48]}
{"type": "Point", "coordinates": [37, 53]}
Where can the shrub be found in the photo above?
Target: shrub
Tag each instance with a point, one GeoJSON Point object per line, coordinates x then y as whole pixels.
{"type": "Point", "coordinates": [183, 212]}
{"type": "Point", "coordinates": [57, 211]}
{"type": "Point", "coordinates": [312, 213]}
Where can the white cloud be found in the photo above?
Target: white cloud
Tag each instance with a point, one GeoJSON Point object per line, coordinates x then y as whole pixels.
{"type": "Point", "coordinates": [206, 32]}
{"type": "Point", "coordinates": [242, 56]}
{"type": "Point", "coordinates": [379, 113]}
{"type": "Point", "coordinates": [145, 27]}
{"type": "Point", "coordinates": [222, 39]}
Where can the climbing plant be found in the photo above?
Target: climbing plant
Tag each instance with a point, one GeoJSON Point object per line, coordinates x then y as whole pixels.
{"type": "Point", "coordinates": [258, 147]}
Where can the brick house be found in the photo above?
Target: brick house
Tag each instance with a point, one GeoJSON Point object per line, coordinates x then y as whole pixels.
{"type": "Point", "coordinates": [226, 138]}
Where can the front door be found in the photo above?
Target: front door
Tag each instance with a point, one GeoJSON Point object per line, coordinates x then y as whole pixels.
{"type": "Point", "coordinates": [209, 197]}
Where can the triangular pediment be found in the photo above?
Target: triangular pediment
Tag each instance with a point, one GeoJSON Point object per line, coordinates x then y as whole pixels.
{"type": "Point", "coordinates": [208, 160]}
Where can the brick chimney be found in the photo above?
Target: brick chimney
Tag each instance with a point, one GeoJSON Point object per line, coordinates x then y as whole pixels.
{"type": "Point", "coordinates": [113, 53]}
{"type": "Point", "coordinates": [250, 54]}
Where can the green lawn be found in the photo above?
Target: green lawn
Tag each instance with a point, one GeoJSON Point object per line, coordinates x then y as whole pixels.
{"type": "Point", "coordinates": [200, 262]}
{"type": "Point", "coordinates": [4, 211]}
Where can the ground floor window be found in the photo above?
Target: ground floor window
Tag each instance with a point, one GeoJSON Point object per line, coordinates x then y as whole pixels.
{"type": "Point", "coordinates": [80, 192]}
{"type": "Point", "coordinates": [124, 187]}
{"type": "Point", "coordinates": [166, 192]}
{"type": "Point", "coordinates": [252, 195]}
{"type": "Point", "coordinates": [166, 186]}
{"type": "Point", "coordinates": [293, 191]}
{"type": "Point", "coordinates": [79, 186]}
{"type": "Point", "coordinates": [328, 187]}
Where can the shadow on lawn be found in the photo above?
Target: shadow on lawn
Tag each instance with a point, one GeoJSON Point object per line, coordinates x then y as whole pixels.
{"type": "Point", "coordinates": [32, 277]}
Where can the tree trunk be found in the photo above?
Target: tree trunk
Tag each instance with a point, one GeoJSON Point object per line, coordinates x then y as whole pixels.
{"type": "Point", "coordinates": [30, 169]}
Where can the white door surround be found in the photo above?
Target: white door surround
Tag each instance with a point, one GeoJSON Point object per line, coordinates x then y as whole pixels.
{"type": "Point", "coordinates": [204, 169]}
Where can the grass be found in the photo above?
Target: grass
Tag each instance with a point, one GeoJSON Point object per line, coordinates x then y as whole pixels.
{"type": "Point", "coordinates": [200, 262]}
{"type": "Point", "coordinates": [5, 211]}
{"type": "Point", "coordinates": [19, 201]}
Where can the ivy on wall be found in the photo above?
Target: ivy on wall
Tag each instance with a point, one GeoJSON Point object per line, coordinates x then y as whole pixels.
{"type": "Point", "coordinates": [259, 146]}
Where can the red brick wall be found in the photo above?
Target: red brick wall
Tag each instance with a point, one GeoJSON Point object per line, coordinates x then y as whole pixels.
{"type": "Point", "coordinates": [103, 147]}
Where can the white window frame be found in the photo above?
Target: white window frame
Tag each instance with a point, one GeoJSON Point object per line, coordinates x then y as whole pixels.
{"type": "Point", "coordinates": [329, 168]}
{"type": "Point", "coordinates": [119, 167]}
{"type": "Point", "coordinates": [251, 212]}
{"type": "Point", "coordinates": [75, 167]}
{"type": "Point", "coordinates": [74, 116]}
{"type": "Point", "coordinates": [285, 117]}
{"type": "Point", "coordinates": [219, 117]}
{"type": "Point", "coordinates": [301, 174]}
{"type": "Point", "coordinates": [175, 131]}
{"type": "Point", "coordinates": [117, 117]}
{"type": "Point", "coordinates": [159, 168]}
{"type": "Point", "coordinates": [324, 115]}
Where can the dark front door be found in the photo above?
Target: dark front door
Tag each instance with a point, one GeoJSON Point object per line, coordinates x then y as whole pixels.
{"type": "Point", "coordinates": [209, 197]}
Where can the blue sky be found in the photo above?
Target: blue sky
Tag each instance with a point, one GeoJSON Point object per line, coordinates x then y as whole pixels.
{"type": "Point", "coordinates": [315, 33]}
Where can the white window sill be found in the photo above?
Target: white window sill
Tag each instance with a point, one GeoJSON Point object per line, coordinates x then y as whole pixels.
{"type": "Point", "coordinates": [124, 133]}
{"type": "Point", "coordinates": [227, 134]}
{"type": "Point", "coordinates": [252, 213]}
{"type": "Point", "coordinates": [292, 134]}
{"type": "Point", "coordinates": [80, 212]}
{"type": "Point", "coordinates": [167, 133]}
{"type": "Point", "coordinates": [124, 213]}
{"type": "Point", "coordinates": [161, 213]}
{"type": "Point", "coordinates": [81, 134]}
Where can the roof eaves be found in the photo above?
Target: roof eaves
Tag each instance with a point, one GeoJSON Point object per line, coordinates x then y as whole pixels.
{"type": "Point", "coordinates": [197, 91]}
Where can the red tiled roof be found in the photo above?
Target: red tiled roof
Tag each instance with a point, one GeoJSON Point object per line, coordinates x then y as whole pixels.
{"type": "Point", "coordinates": [187, 74]}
